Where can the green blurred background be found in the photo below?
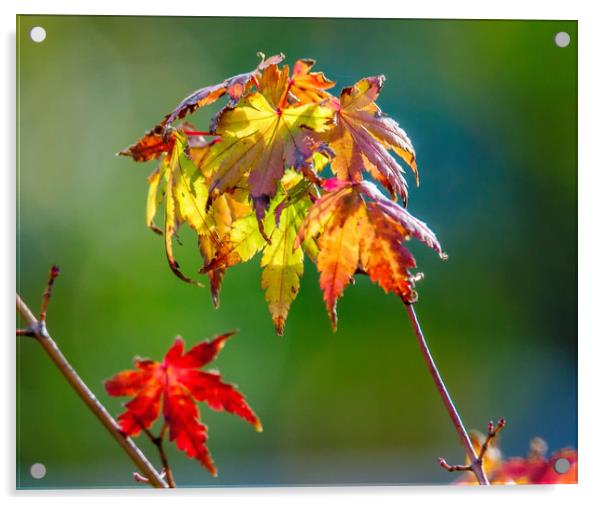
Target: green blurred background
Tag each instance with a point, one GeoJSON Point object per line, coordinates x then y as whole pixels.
{"type": "Point", "coordinates": [491, 109]}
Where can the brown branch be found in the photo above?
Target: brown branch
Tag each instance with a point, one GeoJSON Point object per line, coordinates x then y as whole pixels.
{"type": "Point", "coordinates": [158, 442]}
{"type": "Point", "coordinates": [166, 468]}
{"type": "Point", "coordinates": [476, 464]}
{"type": "Point", "coordinates": [492, 431]}
{"type": "Point", "coordinates": [54, 273]}
{"type": "Point", "coordinates": [454, 468]}
{"type": "Point", "coordinates": [37, 329]}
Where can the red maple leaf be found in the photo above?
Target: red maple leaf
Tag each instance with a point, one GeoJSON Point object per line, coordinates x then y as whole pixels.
{"type": "Point", "coordinates": [174, 385]}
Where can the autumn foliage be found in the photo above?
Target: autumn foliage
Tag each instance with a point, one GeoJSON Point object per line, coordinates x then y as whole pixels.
{"type": "Point", "coordinates": [285, 170]}
{"type": "Point", "coordinates": [172, 387]}
{"type": "Point", "coordinates": [257, 183]}
{"type": "Point", "coordinates": [536, 468]}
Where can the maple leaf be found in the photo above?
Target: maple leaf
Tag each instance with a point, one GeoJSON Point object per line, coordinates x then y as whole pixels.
{"type": "Point", "coordinates": [354, 235]}
{"type": "Point", "coordinates": [181, 186]}
{"type": "Point", "coordinates": [226, 210]}
{"type": "Point", "coordinates": [155, 142]}
{"type": "Point", "coordinates": [281, 261]}
{"type": "Point", "coordinates": [233, 86]}
{"type": "Point", "coordinates": [263, 135]}
{"type": "Point", "coordinates": [538, 469]}
{"type": "Point", "coordinates": [244, 240]}
{"type": "Point", "coordinates": [174, 385]}
{"type": "Point", "coordinates": [306, 86]}
{"type": "Point", "coordinates": [363, 137]}
{"type": "Point", "coordinates": [181, 181]}
{"type": "Point", "coordinates": [282, 266]}
{"type": "Point", "coordinates": [150, 146]}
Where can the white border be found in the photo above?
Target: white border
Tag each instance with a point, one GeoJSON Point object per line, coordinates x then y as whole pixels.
{"type": "Point", "coordinates": [590, 278]}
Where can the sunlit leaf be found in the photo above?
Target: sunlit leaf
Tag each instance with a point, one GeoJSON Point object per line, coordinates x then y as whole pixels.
{"type": "Point", "coordinates": [153, 144]}
{"type": "Point", "coordinates": [356, 236]}
{"type": "Point", "coordinates": [263, 135]}
{"type": "Point", "coordinates": [173, 386]}
{"type": "Point", "coordinates": [307, 86]}
{"type": "Point", "coordinates": [184, 190]}
{"type": "Point", "coordinates": [282, 262]}
{"type": "Point", "coordinates": [363, 137]}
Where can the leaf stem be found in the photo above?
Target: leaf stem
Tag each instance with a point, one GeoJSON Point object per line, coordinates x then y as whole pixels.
{"type": "Point", "coordinates": [166, 468]}
{"type": "Point", "coordinates": [38, 330]}
{"type": "Point", "coordinates": [158, 442]}
{"type": "Point", "coordinates": [476, 463]}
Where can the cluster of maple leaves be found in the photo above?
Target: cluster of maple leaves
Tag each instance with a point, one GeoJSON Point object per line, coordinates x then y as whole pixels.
{"type": "Point", "coordinates": [254, 183]}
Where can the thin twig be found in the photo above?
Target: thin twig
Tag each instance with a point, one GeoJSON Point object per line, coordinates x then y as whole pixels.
{"type": "Point", "coordinates": [158, 442]}
{"type": "Point", "coordinates": [476, 465]}
{"type": "Point", "coordinates": [166, 468]}
{"type": "Point", "coordinates": [54, 272]}
{"type": "Point", "coordinates": [39, 332]}
{"type": "Point", "coordinates": [140, 478]}
{"type": "Point", "coordinates": [454, 468]}
{"type": "Point", "coordinates": [492, 432]}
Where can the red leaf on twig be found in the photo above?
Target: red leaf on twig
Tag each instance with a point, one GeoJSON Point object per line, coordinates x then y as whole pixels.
{"type": "Point", "coordinates": [174, 385]}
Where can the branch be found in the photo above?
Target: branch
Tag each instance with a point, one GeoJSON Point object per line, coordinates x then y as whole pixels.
{"type": "Point", "coordinates": [476, 464]}
{"type": "Point", "coordinates": [158, 442]}
{"type": "Point", "coordinates": [454, 468]}
{"type": "Point", "coordinates": [54, 273]}
{"type": "Point", "coordinates": [492, 432]}
{"type": "Point", "coordinates": [166, 468]}
{"type": "Point", "coordinates": [37, 329]}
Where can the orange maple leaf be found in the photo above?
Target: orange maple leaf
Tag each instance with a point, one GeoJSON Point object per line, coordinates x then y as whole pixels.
{"type": "Point", "coordinates": [306, 86]}
{"type": "Point", "coordinates": [363, 137]}
{"type": "Point", "coordinates": [356, 236]}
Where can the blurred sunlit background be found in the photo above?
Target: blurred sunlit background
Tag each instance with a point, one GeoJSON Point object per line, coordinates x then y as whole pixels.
{"type": "Point", "coordinates": [491, 109]}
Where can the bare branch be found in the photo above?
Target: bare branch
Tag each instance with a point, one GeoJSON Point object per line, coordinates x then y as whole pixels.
{"type": "Point", "coordinates": [158, 442]}
{"type": "Point", "coordinates": [140, 478]}
{"type": "Point", "coordinates": [166, 468]}
{"type": "Point", "coordinates": [54, 273]}
{"type": "Point", "coordinates": [476, 464]}
{"type": "Point", "coordinates": [492, 432]}
{"type": "Point", "coordinates": [454, 468]}
{"type": "Point", "coordinates": [37, 329]}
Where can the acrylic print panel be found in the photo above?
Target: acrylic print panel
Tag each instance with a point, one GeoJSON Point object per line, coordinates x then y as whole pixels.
{"type": "Point", "coordinates": [295, 182]}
